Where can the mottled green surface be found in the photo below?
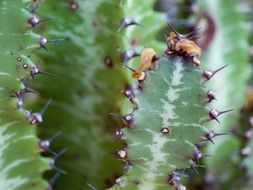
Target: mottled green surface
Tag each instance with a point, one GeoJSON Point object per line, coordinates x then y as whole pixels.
{"type": "Point", "coordinates": [230, 47]}
{"type": "Point", "coordinates": [21, 165]}
{"type": "Point", "coordinates": [85, 90]}
{"type": "Point", "coordinates": [172, 97]}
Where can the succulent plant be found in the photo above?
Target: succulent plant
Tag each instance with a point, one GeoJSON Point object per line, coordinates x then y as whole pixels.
{"type": "Point", "coordinates": [21, 164]}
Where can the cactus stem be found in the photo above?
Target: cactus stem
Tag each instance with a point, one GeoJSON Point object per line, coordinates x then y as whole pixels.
{"type": "Point", "coordinates": [127, 21]}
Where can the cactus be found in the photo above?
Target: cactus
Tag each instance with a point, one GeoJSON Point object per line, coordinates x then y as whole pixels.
{"type": "Point", "coordinates": [89, 60]}
{"type": "Point", "coordinates": [235, 75]}
{"type": "Point", "coordinates": [20, 162]}
{"type": "Point", "coordinates": [162, 136]}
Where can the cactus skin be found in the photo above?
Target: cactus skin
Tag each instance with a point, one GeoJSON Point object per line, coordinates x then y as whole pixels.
{"type": "Point", "coordinates": [173, 96]}
{"type": "Point", "coordinates": [19, 150]}
{"type": "Point", "coordinates": [90, 62]}
{"type": "Point", "coordinates": [234, 76]}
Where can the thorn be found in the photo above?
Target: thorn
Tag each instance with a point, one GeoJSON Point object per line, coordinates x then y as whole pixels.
{"type": "Point", "coordinates": [122, 153]}
{"type": "Point", "coordinates": [211, 96]}
{"type": "Point", "coordinates": [119, 133]}
{"type": "Point", "coordinates": [129, 68]}
{"type": "Point", "coordinates": [174, 178]}
{"type": "Point", "coordinates": [246, 151]}
{"type": "Point", "coordinates": [129, 94]}
{"type": "Point", "coordinates": [54, 159]}
{"type": "Point", "coordinates": [207, 75]}
{"type": "Point", "coordinates": [145, 45]}
{"type": "Point", "coordinates": [43, 42]}
{"type": "Point", "coordinates": [119, 181]}
{"type": "Point", "coordinates": [197, 155]}
{"type": "Point", "coordinates": [90, 186]}
{"type": "Point", "coordinates": [35, 71]}
{"type": "Point", "coordinates": [211, 134]}
{"type": "Point", "coordinates": [129, 118]}
{"type": "Point", "coordinates": [127, 21]}
{"type": "Point", "coordinates": [213, 114]}
{"type": "Point", "coordinates": [45, 144]}
{"type": "Point", "coordinates": [52, 180]}
{"type": "Point", "coordinates": [28, 90]}
{"type": "Point", "coordinates": [34, 21]}
{"type": "Point", "coordinates": [174, 30]}
{"type": "Point", "coordinates": [129, 54]}
{"type": "Point", "coordinates": [194, 32]}
{"type": "Point", "coordinates": [35, 118]}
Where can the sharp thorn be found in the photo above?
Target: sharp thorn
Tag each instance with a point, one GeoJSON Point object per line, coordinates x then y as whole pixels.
{"type": "Point", "coordinates": [214, 72]}
{"type": "Point", "coordinates": [92, 187]}
{"type": "Point", "coordinates": [45, 107]}
{"type": "Point", "coordinates": [129, 68]}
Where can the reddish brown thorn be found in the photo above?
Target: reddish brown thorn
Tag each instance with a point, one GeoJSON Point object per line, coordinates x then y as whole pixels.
{"type": "Point", "coordinates": [207, 75]}
{"type": "Point", "coordinates": [213, 114]}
